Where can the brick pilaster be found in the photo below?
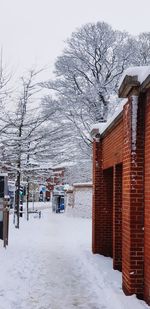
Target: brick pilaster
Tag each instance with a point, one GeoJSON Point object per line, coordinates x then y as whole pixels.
{"type": "Point", "coordinates": [117, 217]}
{"type": "Point", "coordinates": [107, 212]}
{"type": "Point", "coordinates": [97, 196]}
{"type": "Point", "coordinates": [133, 198]}
{"type": "Point", "coordinates": [102, 204]}
{"type": "Point", "coordinates": [147, 202]}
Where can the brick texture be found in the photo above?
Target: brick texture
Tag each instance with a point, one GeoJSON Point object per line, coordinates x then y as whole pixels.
{"type": "Point", "coordinates": [97, 197]}
{"type": "Point", "coordinates": [108, 212]}
{"type": "Point", "coordinates": [147, 203]}
{"type": "Point", "coordinates": [112, 145]}
{"type": "Point", "coordinates": [102, 204]}
{"type": "Point", "coordinates": [121, 195]}
{"type": "Point", "coordinates": [133, 201]}
{"type": "Point", "coordinates": [117, 217]}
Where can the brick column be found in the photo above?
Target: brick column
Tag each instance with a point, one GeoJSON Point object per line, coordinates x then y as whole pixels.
{"type": "Point", "coordinates": [102, 205]}
{"type": "Point", "coordinates": [133, 198]}
{"type": "Point", "coordinates": [147, 202]}
{"type": "Point", "coordinates": [107, 212]}
{"type": "Point", "coordinates": [97, 197]}
{"type": "Point", "coordinates": [117, 217]}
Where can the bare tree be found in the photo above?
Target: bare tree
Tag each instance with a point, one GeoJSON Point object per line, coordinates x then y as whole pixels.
{"type": "Point", "coordinates": [88, 71]}
{"type": "Point", "coordinates": [142, 49]}
{"type": "Point", "coordinates": [87, 74]}
{"type": "Point", "coordinates": [28, 135]}
{"type": "Point", "coordinates": [18, 128]}
{"type": "Point", "coordinates": [90, 67]}
{"type": "Point", "coordinates": [5, 78]}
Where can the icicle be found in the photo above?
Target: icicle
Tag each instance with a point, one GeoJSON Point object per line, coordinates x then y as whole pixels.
{"type": "Point", "coordinates": [134, 121]}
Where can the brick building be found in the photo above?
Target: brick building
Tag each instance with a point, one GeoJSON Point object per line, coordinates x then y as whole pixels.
{"type": "Point", "coordinates": [121, 185]}
{"type": "Point", "coordinates": [56, 178]}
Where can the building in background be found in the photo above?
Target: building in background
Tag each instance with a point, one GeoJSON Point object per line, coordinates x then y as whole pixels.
{"type": "Point", "coordinates": [79, 200]}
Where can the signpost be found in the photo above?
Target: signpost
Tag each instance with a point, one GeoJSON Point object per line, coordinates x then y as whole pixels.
{"type": "Point", "coordinates": [5, 222]}
{"type": "Point", "coordinates": [4, 209]}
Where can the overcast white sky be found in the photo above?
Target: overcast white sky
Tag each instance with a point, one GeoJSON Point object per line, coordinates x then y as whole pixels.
{"type": "Point", "coordinates": [33, 31]}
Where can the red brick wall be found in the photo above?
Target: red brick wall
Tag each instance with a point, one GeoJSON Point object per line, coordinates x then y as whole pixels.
{"type": "Point", "coordinates": [102, 205]}
{"type": "Point", "coordinates": [97, 220]}
{"type": "Point", "coordinates": [108, 212]}
{"type": "Point", "coordinates": [106, 153]}
{"type": "Point", "coordinates": [125, 188]}
{"type": "Point", "coordinates": [113, 146]}
{"type": "Point", "coordinates": [147, 202]}
{"type": "Point", "coordinates": [133, 203]}
{"type": "Point", "coordinates": [117, 217]}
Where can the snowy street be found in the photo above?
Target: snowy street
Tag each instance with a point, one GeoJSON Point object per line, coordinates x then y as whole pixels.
{"type": "Point", "coordinates": [49, 265]}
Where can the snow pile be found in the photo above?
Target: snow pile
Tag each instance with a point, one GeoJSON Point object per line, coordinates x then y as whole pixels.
{"type": "Point", "coordinates": [49, 265]}
{"type": "Point", "coordinates": [141, 72]}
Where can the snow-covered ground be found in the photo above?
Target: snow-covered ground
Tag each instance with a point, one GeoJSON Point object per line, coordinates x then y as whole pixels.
{"type": "Point", "coordinates": [49, 265]}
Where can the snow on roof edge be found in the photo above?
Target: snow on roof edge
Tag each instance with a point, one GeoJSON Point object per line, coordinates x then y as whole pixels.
{"type": "Point", "coordinates": [78, 184]}
{"type": "Point", "coordinates": [141, 72]}
{"type": "Point", "coordinates": [102, 127]}
{"type": "Point", "coordinates": [64, 164]}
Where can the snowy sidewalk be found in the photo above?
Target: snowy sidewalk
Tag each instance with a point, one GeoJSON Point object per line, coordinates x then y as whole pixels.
{"type": "Point", "coordinates": [49, 265]}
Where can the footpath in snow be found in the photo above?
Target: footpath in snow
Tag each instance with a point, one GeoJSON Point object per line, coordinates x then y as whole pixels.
{"type": "Point", "coordinates": [49, 265]}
